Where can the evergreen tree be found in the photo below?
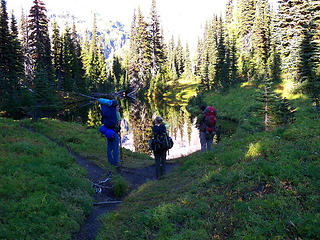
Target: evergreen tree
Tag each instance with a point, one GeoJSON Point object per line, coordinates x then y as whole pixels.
{"type": "Point", "coordinates": [198, 58]}
{"type": "Point", "coordinates": [40, 47]}
{"type": "Point", "coordinates": [67, 59]}
{"type": "Point", "coordinates": [57, 54]}
{"type": "Point", "coordinates": [156, 42]}
{"type": "Point", "coordinates": [309, 63]}
{"type": "Point", "coordinates": [5, 45]}
{"type": "Point", "coordinates": [11, 64]}
{"type": "Point", "coordinates": [246, 18]}
{"type": "Point", "coordinates": [18, 63]}
{"type": "Point", "coordinates": [221, 66]}
{"type": "Point", "coordinates": [188, 65]}
{"type": "Point", "coordinates": [133, 54]}
{"type": "Point", "coordinates": [261, 36]}
{"type": "Point", "coordinates": [94, 61]}
{"type": "Point", "coordinates": [78, 71]}
{"type": "Point", "coordinates": [293, 16]}
{"type": "Point", "coordinates": [143, 60]}
{"type": "Point", "coordinates": [28, 61]}
{"type": "Point", "coordinates": [179, 59]}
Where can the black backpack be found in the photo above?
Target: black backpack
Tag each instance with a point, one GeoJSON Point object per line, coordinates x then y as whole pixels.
{"type": "Point", "coordinates": [162, 142]}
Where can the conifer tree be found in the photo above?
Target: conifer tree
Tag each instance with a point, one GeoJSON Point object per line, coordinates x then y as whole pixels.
{"type": "Point", "coordinates": [5, 45]}
{"type": "Point", "coordinates": [221, 66]}
{"type": "Point", "coordinates": [292, 17]}
{"type": "Point", "coordinates": [78, 71]}
{"type": "Point", "coordinates": [39, 43]}
{"type": "Point", "coordinates": [17, 55]}
{"type": "Point", "coordinates": [143, 52]}
{"type": "Point", "coordinates": [188, 65]}
{"type": "Point", "coordinates": [133, 53]}
{"type": "Point", "coordinates": [11, 64]}
{"type": "Point", "coordinates": [179, 59]}
{"type": "Point", "coordinates": [309, 63]}
{"type": "Point", "coordinates": [67, 58]}
{"type": "Point", "coordinates": [57, 54]}
{"type": "Point", "coordinates": [198, 57]}
{"type": "Point", "coordinates": [261, 36]}
{"type": "Point", "coordinates": [247, 11]}
{"type": "Point", "coordinates": [94, 62]}
{"type": "Point", "coordinates": [28, 61]}
{"type": "Point", "coordinates": [156, 42]}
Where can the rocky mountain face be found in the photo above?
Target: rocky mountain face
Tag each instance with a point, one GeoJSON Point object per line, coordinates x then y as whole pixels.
{"type": "Point", "coordinates": [113, 35]}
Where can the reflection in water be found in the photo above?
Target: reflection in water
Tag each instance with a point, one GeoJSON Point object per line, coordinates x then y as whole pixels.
{"type": "Point", "coordinates": [137, 122]}
{"type": "Point", "coordinates": [139, 118]}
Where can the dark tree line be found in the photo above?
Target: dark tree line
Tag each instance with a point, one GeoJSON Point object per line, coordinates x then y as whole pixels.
{"type": "Point", "coordinates": [252, 42]}
{"type": "Point", "coordinates": [39, 71]}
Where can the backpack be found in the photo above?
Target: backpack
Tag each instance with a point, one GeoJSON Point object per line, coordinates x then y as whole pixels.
{"type": "Point", "coordinates": [210, 119]}
{"type": "Point", "coordinates": [109, 116]}
{"type": "Point", "coordinates": [161, 142]}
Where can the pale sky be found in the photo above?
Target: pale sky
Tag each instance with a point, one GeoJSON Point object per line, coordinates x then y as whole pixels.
{"type": "Point", "coordinates": [180, 18]}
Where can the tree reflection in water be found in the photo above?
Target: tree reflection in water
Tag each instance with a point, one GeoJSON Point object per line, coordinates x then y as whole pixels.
{"type": "Point", "coordinates": [178, 121]}
{"type": "Point", "coordinates": [137, 123]}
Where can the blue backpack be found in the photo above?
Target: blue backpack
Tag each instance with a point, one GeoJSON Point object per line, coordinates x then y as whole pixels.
{"type": "Point", "coordinates": [109, 113]}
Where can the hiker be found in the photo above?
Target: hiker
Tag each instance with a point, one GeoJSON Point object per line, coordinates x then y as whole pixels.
{"type": "Point", "coordinates": [160, 144]}
{"type": "Point", "coordinates": [111, 120]}
{"type": "Point", "coordinates": [206, 122]}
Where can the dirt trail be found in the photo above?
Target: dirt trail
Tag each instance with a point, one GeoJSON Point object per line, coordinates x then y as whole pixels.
{"type": "Point", "coordinates": [135, 177]}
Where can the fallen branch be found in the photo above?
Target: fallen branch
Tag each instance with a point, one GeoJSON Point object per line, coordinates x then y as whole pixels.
{"type": "Point", "coordinates": [107, 202]}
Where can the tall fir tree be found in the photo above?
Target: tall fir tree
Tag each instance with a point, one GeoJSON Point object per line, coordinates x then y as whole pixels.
{"type": "Point", "coordinates": [188, 65]}
{"type": "Point", "coordinates": [11, 64]}
{"type": "Point", "coordinates": [39, 44]}
{"type": "Point", "coordinates": [94, 61]}
{"type": "Point", "coordinates": [261, 41]}
{"type": "Point", "coordinates": [133, 54]}
{"type": "Point", "coordinates": [179, 59]}
{"type": "Point", "coordinates": [78, 71]}
{"type": "Point", "coordinates": [156, 41]}
{"type": "Point", "coordinates": [143, 52]}
{"type": "Point", "coordinates": [67, 58]}
{"type": "Point", "coordinates": [5, 45]}
{"type": "Point", "coordinates": [308, 64]}
{"type": "Point", "coordinates": [222, 65]}
{"type": "Point", "coordinates": [293, 15]}
{"type": "Point", "coordinates": [57, 54]}
{"type": "Point", "coordinates": [28, 61]}
{"type": "Point", "coordinates": [246, 18]}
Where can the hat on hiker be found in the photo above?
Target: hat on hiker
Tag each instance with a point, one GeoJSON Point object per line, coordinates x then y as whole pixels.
{"type": "Point", "coordinates": [158, 120]}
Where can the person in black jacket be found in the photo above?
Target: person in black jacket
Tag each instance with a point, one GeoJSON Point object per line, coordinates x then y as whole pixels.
{"type": "Point", "coordinates": [159, 133]}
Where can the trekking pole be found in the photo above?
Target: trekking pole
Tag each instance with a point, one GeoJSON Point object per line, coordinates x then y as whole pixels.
{"type": "Point", "coordinates": [121, 152]}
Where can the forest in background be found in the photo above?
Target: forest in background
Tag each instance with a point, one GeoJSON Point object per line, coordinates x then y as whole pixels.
{"type": "Point", "coordinates": [251, 42]}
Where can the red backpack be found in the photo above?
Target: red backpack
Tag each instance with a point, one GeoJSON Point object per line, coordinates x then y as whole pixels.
{"type": "Point", "coordinates": [210, 119]}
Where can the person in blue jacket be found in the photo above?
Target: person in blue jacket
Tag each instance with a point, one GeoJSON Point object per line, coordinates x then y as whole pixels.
{"type": "Point", "coordinates": [111, 127]}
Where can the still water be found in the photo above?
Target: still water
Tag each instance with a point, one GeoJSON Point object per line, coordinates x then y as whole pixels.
{"type": "Point", "coordinates": [136, 125]}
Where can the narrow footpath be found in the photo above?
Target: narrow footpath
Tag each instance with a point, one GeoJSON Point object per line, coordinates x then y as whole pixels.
{"type": "Point", "coordinates": [134, 177]}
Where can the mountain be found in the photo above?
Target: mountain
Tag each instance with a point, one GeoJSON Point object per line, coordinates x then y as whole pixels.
{"type": "Point", "coordinates": [113, 34]}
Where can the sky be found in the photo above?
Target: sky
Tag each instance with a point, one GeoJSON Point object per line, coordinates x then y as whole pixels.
{"type": "Point", "coordinates": [179, 18]}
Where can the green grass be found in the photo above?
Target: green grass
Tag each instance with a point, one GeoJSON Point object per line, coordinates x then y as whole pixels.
{"type": "Point", "coordinates": [85, 141]}
{"type": "Point", "coordinates": [253, 185]}
{"type": "Point", "coordinates": [182, 92]}
{"type": "Point", "coordinates": [43, 193]}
